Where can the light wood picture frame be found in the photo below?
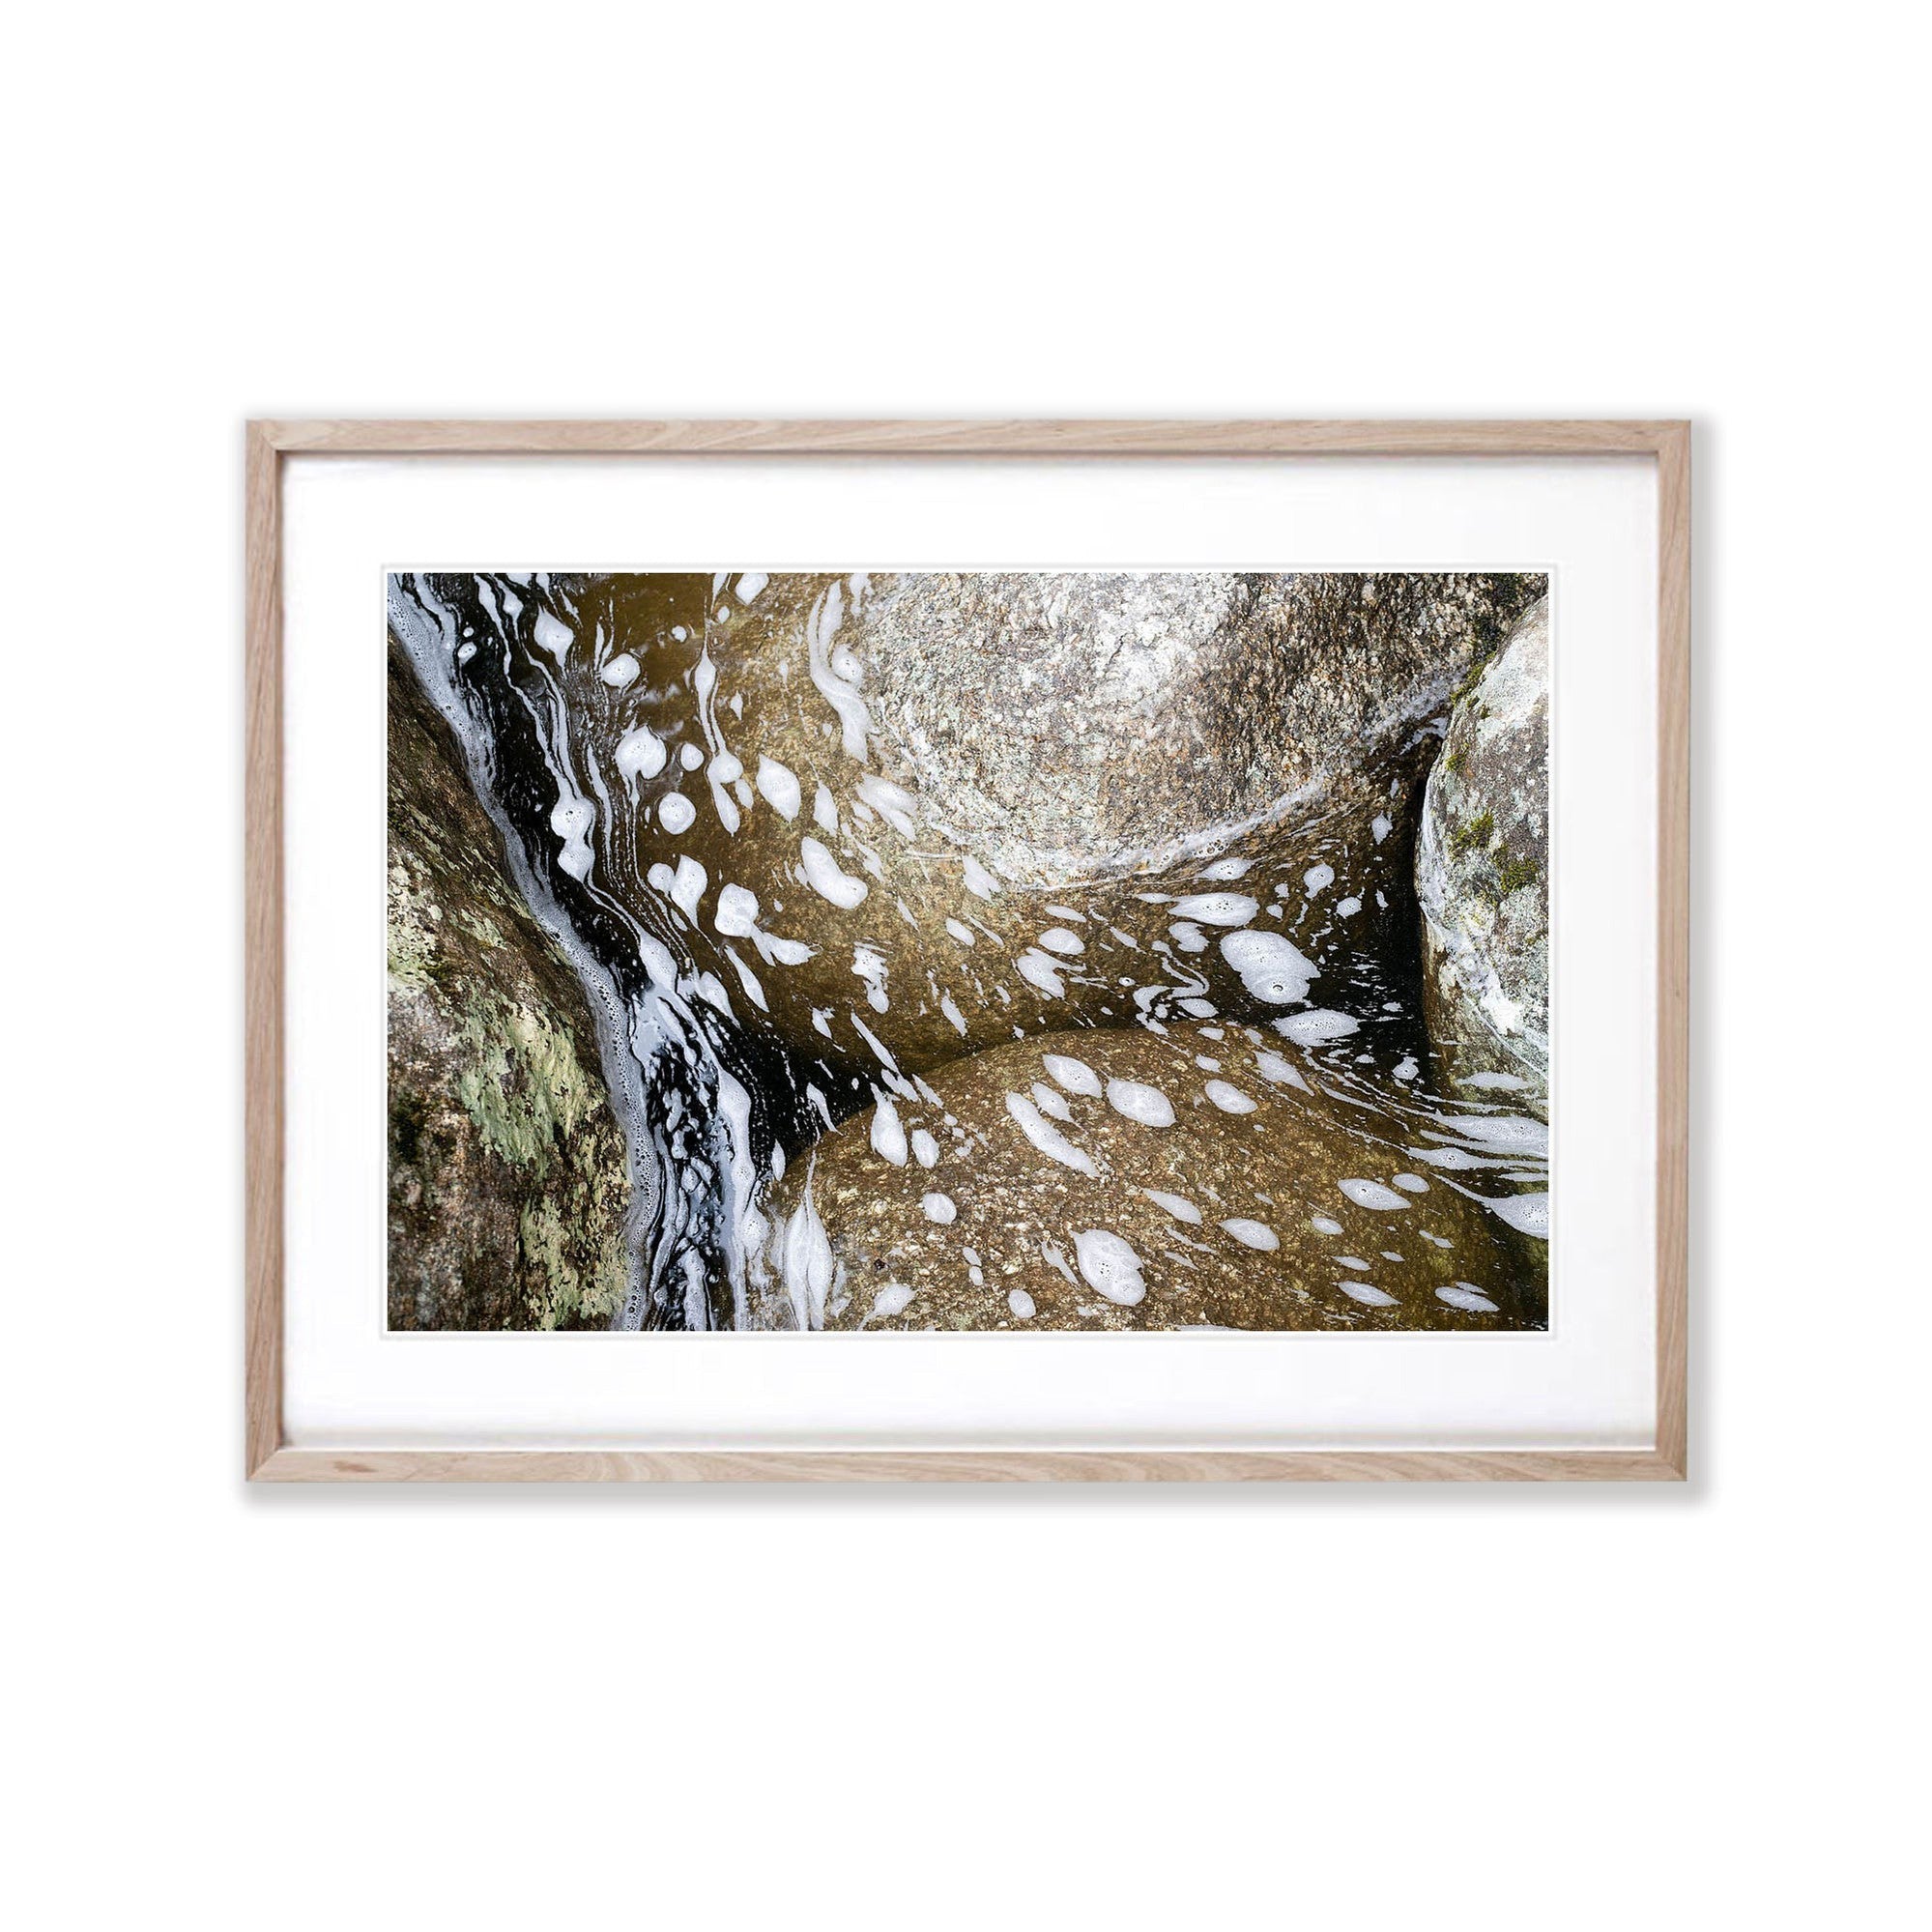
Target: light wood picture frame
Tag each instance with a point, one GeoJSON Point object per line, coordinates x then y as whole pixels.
{"type": "Point", "coordinates": [270, 1456]}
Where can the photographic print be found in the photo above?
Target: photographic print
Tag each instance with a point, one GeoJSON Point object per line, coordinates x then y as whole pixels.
{"type": "Point", "coordinates": [1019, 951]}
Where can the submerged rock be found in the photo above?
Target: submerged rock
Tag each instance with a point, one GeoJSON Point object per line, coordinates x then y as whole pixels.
{"type": "Point", "coordinates": [888, 821]}
{"type": "Point", "coordinates": [1483, 873]}
{"type": "Point", "coordinates": [1101, 1179]}
{"type": "Point", "coordinates": [508, 1189]}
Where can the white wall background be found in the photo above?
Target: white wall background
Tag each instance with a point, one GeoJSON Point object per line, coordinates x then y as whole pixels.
{"type": "Point", "coordinates": [1380, 1709]}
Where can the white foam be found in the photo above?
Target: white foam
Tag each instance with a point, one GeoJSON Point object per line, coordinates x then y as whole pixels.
{"type": "Point", "coordinates": [949, 1006]}
{"type": "Point", "coordinates": [888, 1131]}
{"type": "Point", "coordinates": [1526, 1213]}
{"type": "Point", "coordinates": [1380, 826]}
{"type": "Point", "coordinates": [824, 876]}
{"type": "Point", "coordinates": [1039, 971]}
{"type": "Point", "coordinates": [960, 931]}
{"type": "Point", "coordinates": [1464, 1295]}
{"type": "Point", "coordinates": [1230, 1098]}
{"type": "Point", "coordinates": [1049, 1102]}
{"type": "Point", "coordinates": [892, 802]}
{"type": "Point", "coordinates": [1057, 940]}
{"type": "Point", "coordinates": [1317, 878]}
{"type": "Point", "coordinates": [1373, 1194]}
{"type": "Point", "coordinates": [939, 1208]}
{"type": "Point", "coordinates": [1109, 1266]}
{"type": "Point", "coordinates": [552, 636]}
{"type": "Point", "coordinates": [1323, 1224]}
{"type": "Point", "coordinates": [1272, 1067]}
{"type": "Point", "coordinates": [1304, 1029]}
{"type": "Point", "coordinates": [1178, 1205]}
{"type": "Point", "coordinates": [1188, 937]}
{"type": "Point", "coordinates": [978, 880]}
{"type": "Point", "coordinates": [778, 785]}
{"type": "Point", "coordinates": [1138, 1101]}
{"type": "Point", "coordinates": [737, 911]}
{"type": "Point", "coordinates": [925, 1149]}
{"type": "Point", "coordinates": [1224, 869]}
{"type": "Point", "coordinates": [1076, 1076]}
{"type": "Point", "coordinates": [1020, 1303]}
{"type": "Point", "coordinates": [1411, 1183]}
{"type": "Point", "coordinates": [1217, 908]}
{"type": "Point", "coordinates": [1347, 909]}
{"type": "Point", "coordinates": [640, 754]}
{"type": "Point", "coordinates": [620, 671]}
{"type": "Point", "coordinates": [894, 1298]}
{"type": "Point", "coordinates": [1048, 1139]}
{"type": "Point", "coordinates": [751, 584]}
{"type": "Point", "coordinates": [1508, 1082]}
{"type": "Point", "coordinates": [1255, 1235]}
{"type": "Point", "coordinates": [1511, 1133]}
{"type": "Point", "coordinates": [676, 813]}
{"type": "Point", "coordinates": [1270, 968]}
{"type": "Point", "coordinates": [1369, 1296]}
{"type": "Point", "coordinates": [690, 757]}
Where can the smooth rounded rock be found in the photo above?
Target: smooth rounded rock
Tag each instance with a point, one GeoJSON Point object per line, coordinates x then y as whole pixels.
{"type": "Point", "coordinates": [1240, 1221]}
{"type": "Point", "coordinates": [1482, 872]}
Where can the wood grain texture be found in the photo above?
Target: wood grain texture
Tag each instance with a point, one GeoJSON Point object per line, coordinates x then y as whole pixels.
{"type": "Point", "coordinates": [269, 1460]}
{"type": "Point", "coordinates": [947, 438]}
{"type": "Point", "coordinates": [1673, 946]}
{"type": "Point", "coordinates": [975, 1465]}
{"type": "Point", "coordinates": [263, 995]}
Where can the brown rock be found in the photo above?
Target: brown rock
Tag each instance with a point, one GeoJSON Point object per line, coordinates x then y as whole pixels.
{"type": "Point", "coordinates": [1105, 1179]}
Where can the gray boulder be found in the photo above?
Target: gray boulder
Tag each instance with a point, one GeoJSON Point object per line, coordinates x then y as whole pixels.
{"type": "Point", "coordinates": [1483, 873]}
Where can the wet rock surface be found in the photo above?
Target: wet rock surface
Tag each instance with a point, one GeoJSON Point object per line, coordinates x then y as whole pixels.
{"type": "Point", "coordinates": [814, 841]}
{"type": "Point", "coordinates": [1483, 871]}
{"type": "Point", "coordinates": [902, 819]}
{"type": "Point", "coordinates": [1108, 1179]}
{"type": "Point", "coordinates": [507, 1193]}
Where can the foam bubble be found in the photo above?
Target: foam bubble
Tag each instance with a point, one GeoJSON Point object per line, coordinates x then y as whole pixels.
{"type": "Point", "coordinates": [824, 876]}
{"type": "Point", "coordinates": [676, 813]}
{"type": "Point", "coordinates": [1270, 968]}
{"type": "Point", "coordinates": [1371, 1193]}
{"type": "Point", "coordinates": [1256, 1234]}
{"type": "Point", "coordinates": [1109, 1266]}
{"type": "Point", "coordinates": [1138, 1101]}
{"type": "Point", "coordinates": [888, 1131]}
{"type": "Point", "coordinates": [778, 785]}
{"type": "Point", "coordinates": [1304, 1029]}
{"type": "Point", "coordinates": [1047, 1137]}
{"type": "Point", "coordinates": [1229, 1098]}
{"type": "Point", "coordinates": [1178, 1205]}
{"type": "Point", "coordinates": [1217, 908]}
{"type": "Point", "coordinates": [1076, 1076]}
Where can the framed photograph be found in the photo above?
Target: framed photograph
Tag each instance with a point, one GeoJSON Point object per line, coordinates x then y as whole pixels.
{"type": "Point", "coordinates": [1014, 951]}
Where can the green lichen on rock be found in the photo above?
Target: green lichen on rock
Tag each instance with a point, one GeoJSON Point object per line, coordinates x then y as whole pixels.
{"type": "Point", "coordinates": [509, 1187]}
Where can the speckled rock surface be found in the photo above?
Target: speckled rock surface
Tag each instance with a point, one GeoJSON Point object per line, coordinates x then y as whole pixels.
{"type": "Point", "coordinates": [1482, 872]}
{"type": "Point", "coordinates": [507, 1193]}
{"type": "Point", "coordinates": [917, 816]}
{"type": "Point", "coordinates": [1104, 1179]}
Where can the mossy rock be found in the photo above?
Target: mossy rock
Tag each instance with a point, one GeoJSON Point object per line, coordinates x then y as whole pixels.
{"type": "Point", "coordinates": [508, 1179]}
